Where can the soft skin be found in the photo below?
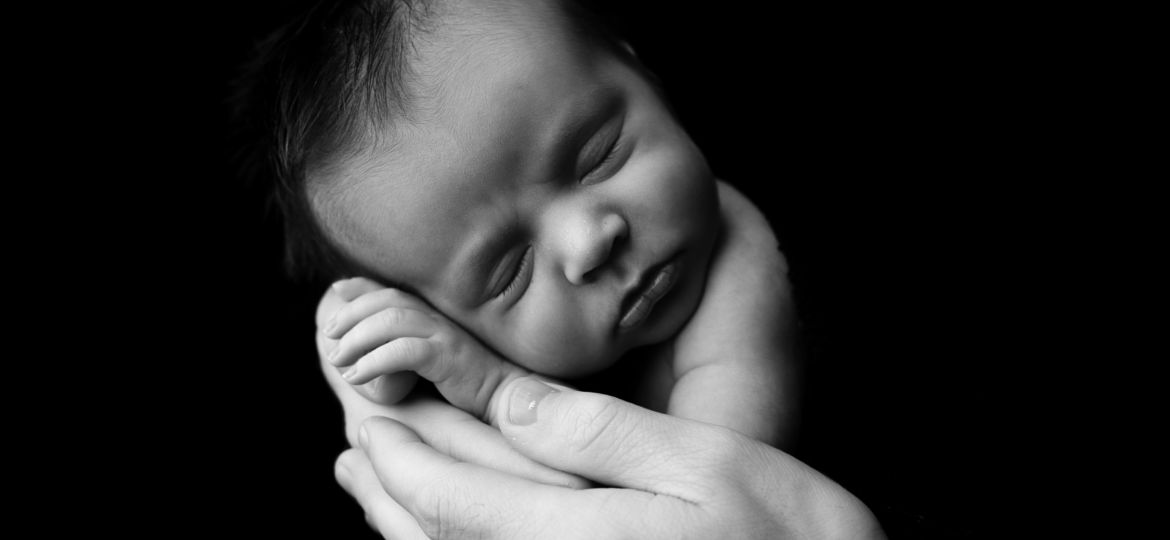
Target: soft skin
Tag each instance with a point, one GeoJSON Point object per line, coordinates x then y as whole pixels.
{"type": "Point", "coordinates": [523, 135]}
{"type": "Point", "coordinates": [672, 478]}
{"type": "Point", "coordinates": [731, 365]}
{"type": "Point", "coordinates": [730, 369]}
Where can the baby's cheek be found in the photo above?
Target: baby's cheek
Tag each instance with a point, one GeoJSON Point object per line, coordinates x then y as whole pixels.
{"type": "Point", "coordinates": [559, 347]}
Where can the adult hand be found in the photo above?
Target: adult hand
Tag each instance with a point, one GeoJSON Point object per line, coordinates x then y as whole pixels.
{"type": "Point", "coordinates": [443, 426]}
{"type": "Point", "coordinates": [678, 479]}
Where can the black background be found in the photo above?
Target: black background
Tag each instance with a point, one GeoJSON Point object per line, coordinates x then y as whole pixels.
{"type": "Point", "coordinates": [902, 157]}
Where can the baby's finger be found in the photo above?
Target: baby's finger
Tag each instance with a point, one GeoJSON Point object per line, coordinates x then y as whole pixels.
{"type": "Point", "coordinates": [339, 294]}
{"type": "Point", "coordinates": [378, 329]}
{"type": "Point", "coordinates": [349, 289]}
{"type": "Point", "coordinates": [389, 388]}
{"type": "Point", "coordinates": [402, 354]}
{"type": "Point", "coordinates": [446, 428]}
{"type": "Point", "coordinates": [365, 305]}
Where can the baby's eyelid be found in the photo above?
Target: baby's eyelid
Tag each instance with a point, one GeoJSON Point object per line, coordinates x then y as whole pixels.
{"type": "Point", "coordinates": [522, 267]}
{"type": "Point", "coordinates": [599, 168]}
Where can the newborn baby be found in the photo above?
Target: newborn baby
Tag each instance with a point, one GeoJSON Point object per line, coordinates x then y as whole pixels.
{"type": "Point", "coordinates": [518, 198]}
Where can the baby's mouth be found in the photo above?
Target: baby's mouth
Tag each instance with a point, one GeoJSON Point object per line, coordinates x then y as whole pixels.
{"type": "Point", "coordinates": [640, 301]}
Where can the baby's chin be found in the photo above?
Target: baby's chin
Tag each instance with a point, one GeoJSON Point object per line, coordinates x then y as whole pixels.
{"type": "Point", "coordinates": [573, 357]}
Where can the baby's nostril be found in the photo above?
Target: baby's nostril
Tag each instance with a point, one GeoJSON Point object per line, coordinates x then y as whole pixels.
{"type": "Point", "coordinates": [605, 258]}
{"type": "Point", "coordinates": [600, 242]}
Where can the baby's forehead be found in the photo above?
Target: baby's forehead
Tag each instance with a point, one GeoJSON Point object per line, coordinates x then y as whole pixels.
{"type": "Point", "coordinates": [510, 35]}
{"type": "Point", "coordinates": [488, 88]}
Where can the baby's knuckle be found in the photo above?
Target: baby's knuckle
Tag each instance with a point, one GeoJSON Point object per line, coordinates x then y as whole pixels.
{"type": "Point", "coordinates": [342, 354]}
{"type": "Point", "coordinates": [324, 344]}
{"type": "Point", "coordinates": [392, 317]}
{"type": "Point", "coordinates": [341, 472]}
{"type": "Point", "coordinates": [414, 349]}
{"type": "Point", "coordinates": [379, 296]}
{"type": "Point", "coordinates": [450, 342]}
{"type": "Point", "coordinates": [398, 297]}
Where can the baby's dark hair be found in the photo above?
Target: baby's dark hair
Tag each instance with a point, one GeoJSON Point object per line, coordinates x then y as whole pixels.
{"type": "Point", "coordinates": [314, 90]}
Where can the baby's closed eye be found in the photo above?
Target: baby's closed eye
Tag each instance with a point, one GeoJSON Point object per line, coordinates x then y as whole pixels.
{"type": "Point", "coordinates": [515, 275]}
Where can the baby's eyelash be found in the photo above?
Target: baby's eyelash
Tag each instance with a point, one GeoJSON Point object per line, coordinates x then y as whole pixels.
{"type": "Point", "coordinates": [610, 154]}
{"type": "Point", "coordinates": [517, 278]}
{"type": "Point", "coordinates": [599, 170]}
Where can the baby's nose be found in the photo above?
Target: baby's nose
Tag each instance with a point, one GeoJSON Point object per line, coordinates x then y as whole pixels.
{"type": "Point", "coordinates": [592, 245]}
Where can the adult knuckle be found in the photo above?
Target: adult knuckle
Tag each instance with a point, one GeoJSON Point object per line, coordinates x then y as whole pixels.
{"type": "Point", "coordinates": [443, 511]}
{"type": "Point", "coordinates": [722, 451]}
{"type": "Point", "coordinates": [431, 512]}
{"type": "Point", "coordinates": [597, 420]}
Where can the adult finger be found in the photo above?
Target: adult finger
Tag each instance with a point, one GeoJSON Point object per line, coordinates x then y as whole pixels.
{"type": "Point", "coordinates": [458, 434]}
{"type": "Point", "coordinates": [355, 474]}
{"type": "Point", "coordinates": [449, 498]}
{"type": "Point", "coordinates": [447, 429]}
{"type": "Point", "coordinates": [610, 441]}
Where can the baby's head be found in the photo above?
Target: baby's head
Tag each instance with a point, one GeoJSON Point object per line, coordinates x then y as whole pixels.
{"type": "Point", "coordinates": [505, 160]}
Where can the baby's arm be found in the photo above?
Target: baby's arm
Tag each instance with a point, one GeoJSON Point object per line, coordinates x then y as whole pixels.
{"type": "Point", "coordinates": [379, 338]}
{"type": "Point", "coordinates": [445, 428]}
{"type": "Point", "coordinates": [734, 362]}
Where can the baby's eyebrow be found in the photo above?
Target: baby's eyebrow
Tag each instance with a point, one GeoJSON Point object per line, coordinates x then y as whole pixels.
{"type": "Point", "coordinates": [584, 119]}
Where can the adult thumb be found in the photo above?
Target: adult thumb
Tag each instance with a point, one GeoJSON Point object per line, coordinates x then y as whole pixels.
{"type": "Point", "coordinates": [610, 441]}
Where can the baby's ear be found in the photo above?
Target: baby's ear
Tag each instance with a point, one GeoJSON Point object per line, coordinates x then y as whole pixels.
{"type": "Point", "coordinates": [629, 48]}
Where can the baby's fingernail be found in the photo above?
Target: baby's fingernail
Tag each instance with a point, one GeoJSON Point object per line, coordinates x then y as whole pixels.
{"type": "Point", "coordinates": [331, 326]}
{"type": "Point", "coordinates": [337, 285]}
{"type": "Point", "coordinates": [333, 355]}
{"type": "Point", "coordinates": [524, 400]}
{"type": "Point", "coordinates": [349, 373]}
{"type": "Point", "coordinates": [363, 437]}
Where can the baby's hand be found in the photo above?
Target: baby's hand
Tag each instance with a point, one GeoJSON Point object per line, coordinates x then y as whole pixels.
{"type": "Point", "coordinates": [385, 389]}
{"type": "Point", "coordinates": [379, 333]}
